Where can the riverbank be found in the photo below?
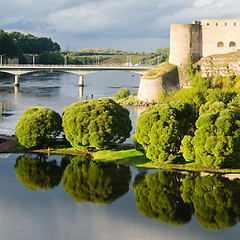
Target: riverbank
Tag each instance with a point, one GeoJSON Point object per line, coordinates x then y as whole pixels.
{"type": "Point", "coordinates": [132, 100]}
{"type": "Point", "coordinates": [123, 155]}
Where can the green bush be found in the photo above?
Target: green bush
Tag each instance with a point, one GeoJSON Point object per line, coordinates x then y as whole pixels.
{"type": "Point", "coordinates": [38, 127]}
{"type": "Point", "coordinates": [216, 139]}
{"type": "Point", "coordinates": [122, 93]}
{"type": "Point", "coordinates": [96, 123]}
{"type": "Point", "coordinates": [161, 128]}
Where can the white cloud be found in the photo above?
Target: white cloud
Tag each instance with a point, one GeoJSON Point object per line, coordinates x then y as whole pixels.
{"type": "Point", "coordinates": [116, 21]}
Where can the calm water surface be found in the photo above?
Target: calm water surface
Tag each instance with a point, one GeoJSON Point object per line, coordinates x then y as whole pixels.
{"type": "Point", "coordinates": [67, 197]}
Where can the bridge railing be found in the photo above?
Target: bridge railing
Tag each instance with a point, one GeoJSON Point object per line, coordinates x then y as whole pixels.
{"type": "Point", "coordinates": [75, 66]}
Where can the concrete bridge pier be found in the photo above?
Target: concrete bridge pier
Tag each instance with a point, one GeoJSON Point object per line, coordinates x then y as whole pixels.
{"type": "Point", "coordinates": [80, 92]}
{"type": "Point", "coordinates": [81, 81]}
{"type": "Point", "coordinates": [16, 83]}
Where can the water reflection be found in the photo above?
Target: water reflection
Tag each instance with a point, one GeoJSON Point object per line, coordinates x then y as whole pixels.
{"type": "Point", "coordinates": [158, 197]}
{"type": "Point", "coordinates": [169, 197]}
{"type": "Point", "coordinates": [172, 198]}
{"type": "Point", "coordinates": [5, 108]}
{"type": "Point", "coordinates": [38, 173]}
{"type": "Point", "coordinates": [94, 182]}
{"type": "Point", "coordinates": [215, 200]}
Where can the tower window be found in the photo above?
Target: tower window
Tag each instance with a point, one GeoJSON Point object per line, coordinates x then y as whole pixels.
{"type": "Point", "coordinates": [225, 24]}
{"type": "Point", "coordinates": [235, 24]}
{"type": "Point", "coordinates": [220, 44]}
{"type": "Point", "coordinates": [207, 24]}
{"type": "Point", "coordinates": [216, 24]}
{"type": "Point", "coordinates": [232, 44]}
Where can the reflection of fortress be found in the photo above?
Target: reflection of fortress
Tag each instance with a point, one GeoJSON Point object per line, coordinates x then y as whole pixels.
{"type": "Point", "coordinates": [190, 42]}
{"type": "Point", "coordinates": [5, 107]}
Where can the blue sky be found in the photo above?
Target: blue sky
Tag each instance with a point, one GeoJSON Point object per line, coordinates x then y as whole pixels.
{"type": "Point", "coordinates": [136, 25]}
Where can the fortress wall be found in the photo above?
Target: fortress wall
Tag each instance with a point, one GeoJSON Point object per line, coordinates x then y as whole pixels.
{"type": "Point", "coordinates": [185, 43]}
{"type": "Point", "coordinates": [215, 31]}
{"type": "Point", "coordinates": [149, 89]}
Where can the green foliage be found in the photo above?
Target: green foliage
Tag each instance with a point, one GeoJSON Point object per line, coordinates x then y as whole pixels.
{"type": "Point", "coordinates": [216, 139]}
{"type": "Point", "coordinates": [96, 123]}
{"type": "Point", "coordinates": [158, 197]}
{"type": "Point", "coordinates": [204, 90]}
{"type": "Point", "coordinates": [122, 93]}
{"type": "Point", "coordinates": [32, 44]}
{"type": "Point", "coordinates": [215, 200]}
{"type": "Point", "coordinates": [37, 127]}
{"type": "Point", "coordinates": [98, 183]}
{"type": "Point", "coordinates": [7, 45]}
{"type": "Point", "coordinates": [161, 128]}
{"type": "Point", "coordinates": [37, 173]}
{"type": "Point", "coordinates": [210, 107]}
{"type": "Point", "coordinates": [51, 58]}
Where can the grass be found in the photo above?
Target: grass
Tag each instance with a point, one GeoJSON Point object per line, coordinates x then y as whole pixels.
{"type": "Point", "coordinates": [160, 70]}
{"type": "Point", "coordinates": [128, 155]}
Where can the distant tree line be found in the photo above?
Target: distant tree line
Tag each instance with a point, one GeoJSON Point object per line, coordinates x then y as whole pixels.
{"type": "Point", "coordinates": [87, 56]}
{"type": "Point", "coordinates": [16, 44]}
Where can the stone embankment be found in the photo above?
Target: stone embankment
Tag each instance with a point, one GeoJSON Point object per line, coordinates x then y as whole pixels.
{"type": "Point", "coordinates": [221, 64]}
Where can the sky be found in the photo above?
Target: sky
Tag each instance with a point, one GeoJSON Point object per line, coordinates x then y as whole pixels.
{"type": "Point", "coordinates": [132, 25]}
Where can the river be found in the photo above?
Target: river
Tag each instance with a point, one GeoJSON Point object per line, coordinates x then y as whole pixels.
{"type": "Point", "coordinates": [68, 197]}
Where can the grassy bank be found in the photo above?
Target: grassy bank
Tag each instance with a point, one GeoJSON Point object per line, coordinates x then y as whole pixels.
{"type": "Point", "coordinates": [126, 155]}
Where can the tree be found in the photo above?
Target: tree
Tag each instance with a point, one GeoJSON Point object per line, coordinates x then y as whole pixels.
{"type": "Point", "coordinates": [158, 197]}
{"type": "Point", "coordinates": [7, 45]}
{"type": "Point", "coordinates": [215, 200]}
{"type": "Point", "coordinates": [99, 183]}
{"type": "Point", "coordinates": [122, 93]}
{"type": "Point", "coordinates": [37, 173]}
{"type": "Point", "coordinates": [38, 127]}
{"type": "Point", "coordinates": [51, 58]}
{"type": "Point", "coordinates": [161, 128]}
{"type": "Point", "coordinates": [96, 123]}
{"type": "Point", "coordinates": [216, 139]}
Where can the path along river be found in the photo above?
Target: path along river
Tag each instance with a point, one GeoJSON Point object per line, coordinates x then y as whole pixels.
{"type": "Point", "coordinates": [47, 197]}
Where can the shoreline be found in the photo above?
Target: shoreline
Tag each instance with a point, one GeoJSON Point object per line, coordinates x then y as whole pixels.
{"type": "Point", "coordinates": [123, 155]}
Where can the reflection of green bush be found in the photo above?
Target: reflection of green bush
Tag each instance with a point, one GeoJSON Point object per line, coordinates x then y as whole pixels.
{"type": "Point", "coordinates": [158, 197]}
{"type": "Point", "coordinates": [215, 200]}
{"type": "Point", "coordinates": [37, 173]}
{"type": "Point", "coordinates": [94, 182]}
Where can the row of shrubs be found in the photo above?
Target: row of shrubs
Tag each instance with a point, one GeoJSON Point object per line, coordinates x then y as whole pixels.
{"type": "Point", "coordinates": [210, 137]}
{"type": "Point", "coordinates": [86, 124]}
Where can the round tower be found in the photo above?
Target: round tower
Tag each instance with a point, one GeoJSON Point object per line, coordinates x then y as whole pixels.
{"type": "Point", "coordinates": [185, 43]}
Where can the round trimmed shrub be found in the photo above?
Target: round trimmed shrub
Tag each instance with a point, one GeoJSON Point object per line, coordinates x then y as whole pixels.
{"type": "Point", "coordinates": [216, 139]}
{"type": "Point", "coordinates": [38, 127]}
{"type": "Point", "coordinates": [161, 128]}
{"type": "Point", "coordinates": [96, 123]}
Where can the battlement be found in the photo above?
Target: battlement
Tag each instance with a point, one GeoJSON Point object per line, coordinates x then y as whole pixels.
{"type": "Point", "coordinates": [190, 42]}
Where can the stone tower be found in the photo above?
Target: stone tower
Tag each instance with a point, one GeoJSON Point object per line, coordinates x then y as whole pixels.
{"type": "Point", "coordinates": [190, 42]}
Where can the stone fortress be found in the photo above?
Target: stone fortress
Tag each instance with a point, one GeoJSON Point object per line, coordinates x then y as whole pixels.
{"type": "Point", "coordinates": [205, 40]}
{"type": "Point", "coordinates": [190, 42]}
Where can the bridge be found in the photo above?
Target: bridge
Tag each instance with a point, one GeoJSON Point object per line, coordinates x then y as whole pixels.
{"type": "Point", "coordinates": [80, 70]}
